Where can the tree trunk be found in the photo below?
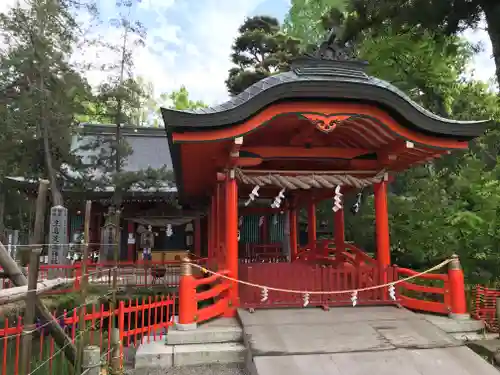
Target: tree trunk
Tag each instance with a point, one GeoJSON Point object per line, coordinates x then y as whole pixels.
{"type": "Point", "coordinates": [57, 199]}
{"type": "Point", "coordinates": [2, 213]}
{"type": "Point", "coordinates": [492, 12]}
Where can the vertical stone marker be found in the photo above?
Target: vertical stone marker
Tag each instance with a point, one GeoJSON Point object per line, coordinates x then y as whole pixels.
{"type": "Point", "coordinates": [58, 236]}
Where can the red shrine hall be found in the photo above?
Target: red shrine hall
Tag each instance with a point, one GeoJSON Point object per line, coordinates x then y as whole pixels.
{"type": "Point", "coordinates": [325, 130]}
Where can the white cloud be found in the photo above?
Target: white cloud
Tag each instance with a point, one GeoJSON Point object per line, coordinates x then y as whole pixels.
{"type": "Point", "coordinates": [202, 60]}
{"type": "Point", "coordinates": [483, 67]}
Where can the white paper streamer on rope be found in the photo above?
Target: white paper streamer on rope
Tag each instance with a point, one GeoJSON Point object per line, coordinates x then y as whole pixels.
{"type": "Point", "coordinates": [240, 221]}
{"type": "Point", "coordinates": [169, 231]}
{"type": "Point", "coordinates": [337, 199]}
{"type": "Point", "coordinates": [392, 292]}
{"type": "Point", "coordinates": [264, 293]}
{"type": "Point", "coordinates": [277, 200]}
{"type": "Point", "coordinates": [261, 221]}
{"type": "Point", "coordinates": [275, 219]}
{"type": "Point", "coordinates": [354, 298]}
{"type": "Point", "coordinates": [305, 298]}
{"type": "Point", "coordinates": [254, 194]}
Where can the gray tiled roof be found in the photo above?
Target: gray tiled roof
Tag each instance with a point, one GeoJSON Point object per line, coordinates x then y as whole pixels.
{"type": "Point", "coordinates": [148, 150]}
{"type": "Point", "coordinates": [320, 79]}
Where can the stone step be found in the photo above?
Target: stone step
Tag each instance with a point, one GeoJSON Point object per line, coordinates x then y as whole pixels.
{"type": "Point", "coordinates": [448, 325]}
{"type": "Point", "coordinates": [218, 331]}
{"type": "Point", "coordinates": [157, 355]}
{"type": "Point", "coordinates": [203, 354]}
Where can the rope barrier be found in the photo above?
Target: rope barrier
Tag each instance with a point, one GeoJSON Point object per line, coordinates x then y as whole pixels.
{"type": "Point", "coordinates": [440, 265]}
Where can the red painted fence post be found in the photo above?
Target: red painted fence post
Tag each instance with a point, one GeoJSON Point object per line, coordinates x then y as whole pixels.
{"type": "Point", "coordinates": [78, 275]}
{"type": "Point", "coordinates": [457, 289]}
{"type": "Point", "coordinates": [187, 296]}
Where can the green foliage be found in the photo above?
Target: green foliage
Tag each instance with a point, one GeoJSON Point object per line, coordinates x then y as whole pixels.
{"type": "Point", "coordinates": [260, 50]}
{"type": "Point", "coordinates": [305, 19]}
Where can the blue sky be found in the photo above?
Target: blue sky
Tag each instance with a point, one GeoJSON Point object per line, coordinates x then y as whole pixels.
{"type": "Point", "coordinates": [189, 42]}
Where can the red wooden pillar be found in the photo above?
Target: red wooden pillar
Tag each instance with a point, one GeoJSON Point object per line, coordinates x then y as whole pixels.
{"type": "Point", "coordinates": [458, 303]}
{"type": "Point", "coordinates": [197, 237]}
{"type": "Point", "coordinates": [293, 233]}
{"type": "Point", "coordinates": [220, 218]}
{"type": "Point", "coordinates": [210, 224]}
{"type": "Point", "coordinates": [311, 224]}
{"type": "Point", "coordinates": [215, 226]}
{"type": "Point", "coordinates": [339, 230]}
{"type": "Point", "coordinates": [382, 225]}
{"type": "Point", "coordinates": [131, 246]}
{"type": "Point", "coordinates": [231, 227]}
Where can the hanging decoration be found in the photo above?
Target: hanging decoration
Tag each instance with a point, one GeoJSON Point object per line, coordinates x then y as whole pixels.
{"type": "Point", "coordinates": [305, 298]}
{"type": "Point", "coordinates": [261, 221]}
{"type": "Point", "coordinates": [264, 294]}
{"type": "Point", "coordinates": [254, 194]}
{"type": "Point", "coordinates": [275, 219]}
{"type": "Point", "coordinates": [337, 200]}
{"type": "Point", "coordinates": [169, 231]}
{"type": "Point", "coordinates": [277, 200]}
{"type": "Point", "coordinates": [354, 298]}
{"type": "Point", "coordinates": [356, 206]}
{"type": "Point", "coordinates": [240, 221]}
{"type": "Point", "coordinates": [239, 235]}
{"type": "Point", "coordinates": [392, 292]}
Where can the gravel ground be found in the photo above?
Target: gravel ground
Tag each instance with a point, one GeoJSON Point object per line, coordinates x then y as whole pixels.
{"type": "Point", "coordinates": [216, 369]}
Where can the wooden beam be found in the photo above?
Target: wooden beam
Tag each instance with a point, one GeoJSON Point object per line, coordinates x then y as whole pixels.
{"type": "Point", "coordinates": [303, 152]}
{"type": "Point", "coordinates": [19, 292]}
{"type": "Point", "coordinates": [390, 155]}
{"type": "Point", "coordinates": [234, 154]}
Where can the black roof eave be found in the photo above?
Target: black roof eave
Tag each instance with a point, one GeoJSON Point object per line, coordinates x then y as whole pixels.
{"type": "Point", "coordinates": [402, 108]}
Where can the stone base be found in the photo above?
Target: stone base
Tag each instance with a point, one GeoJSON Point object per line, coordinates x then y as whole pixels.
{"type": "Point", "coordinates": [183, 327]}
{"type": "Point", "coordinates": [459, 316]}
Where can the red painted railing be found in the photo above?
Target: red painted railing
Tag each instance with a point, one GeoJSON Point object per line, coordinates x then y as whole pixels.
{"type": "Point", "coordinates": [216, 289]}
{"type": "Point", "coordinates": [137, 320]}
{"type": "Point", "coordinates": [326, 250]}
{"type": "Point", "coordinates": [433, 297]}
{"type": "Point", "coordinates": [484, 302]}
{"type": "Point", "coordinates": [134, 274]}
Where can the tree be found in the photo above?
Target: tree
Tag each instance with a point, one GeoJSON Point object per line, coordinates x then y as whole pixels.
{"type": "Point", "coordinates": [305, 19]}
{"type": "Point", "coordinates": [41, 88]}
{"type": "Point", "coordinates": [260, 50]}
{"type": "Point", "coordinates": [120, 100]}
{"type": "Point", "coordinates": [443, 18]}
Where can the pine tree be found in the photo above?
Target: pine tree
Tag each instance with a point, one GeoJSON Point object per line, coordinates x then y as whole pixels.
{"type": "Point", "coordinates": [260, 50]}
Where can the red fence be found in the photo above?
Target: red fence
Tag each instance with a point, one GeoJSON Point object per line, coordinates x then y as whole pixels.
{"type": "Point", "coordinates": [484, 301]}
{"type": "Point", "coordinates": [137, 320]}
{"type": "Point", "coordinates": [133, 274]}
{"type": "Point", "coordinates": [302, 276]}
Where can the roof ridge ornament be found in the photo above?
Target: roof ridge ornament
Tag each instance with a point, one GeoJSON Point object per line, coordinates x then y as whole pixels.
{"type": "Point", "coordinates": [331, 58]}
{"type": "Point", "coordinates": [332, 49]}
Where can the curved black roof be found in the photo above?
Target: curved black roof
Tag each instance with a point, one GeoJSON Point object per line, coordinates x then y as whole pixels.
{"type": "Point", "coordinates": [321, 79]}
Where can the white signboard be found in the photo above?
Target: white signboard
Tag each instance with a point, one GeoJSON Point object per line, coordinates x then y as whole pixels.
{"type": "Point", "coordinates": [131, 239]}
{"type": "Point", "coordinates": [58, 235]}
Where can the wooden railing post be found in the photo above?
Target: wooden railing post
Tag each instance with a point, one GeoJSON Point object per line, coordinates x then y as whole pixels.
{"type": "Point", "coordinates": [187, 298]}
{"type": "Point", "coordinates": [457, 289]}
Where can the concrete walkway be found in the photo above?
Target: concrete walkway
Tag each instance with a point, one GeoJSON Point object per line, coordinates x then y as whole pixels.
{"type": "Point", "coordinates": [353, 341]}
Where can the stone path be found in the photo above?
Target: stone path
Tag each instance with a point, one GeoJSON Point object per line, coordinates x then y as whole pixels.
{"type": "Point", "coordinates": [354, 341]}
